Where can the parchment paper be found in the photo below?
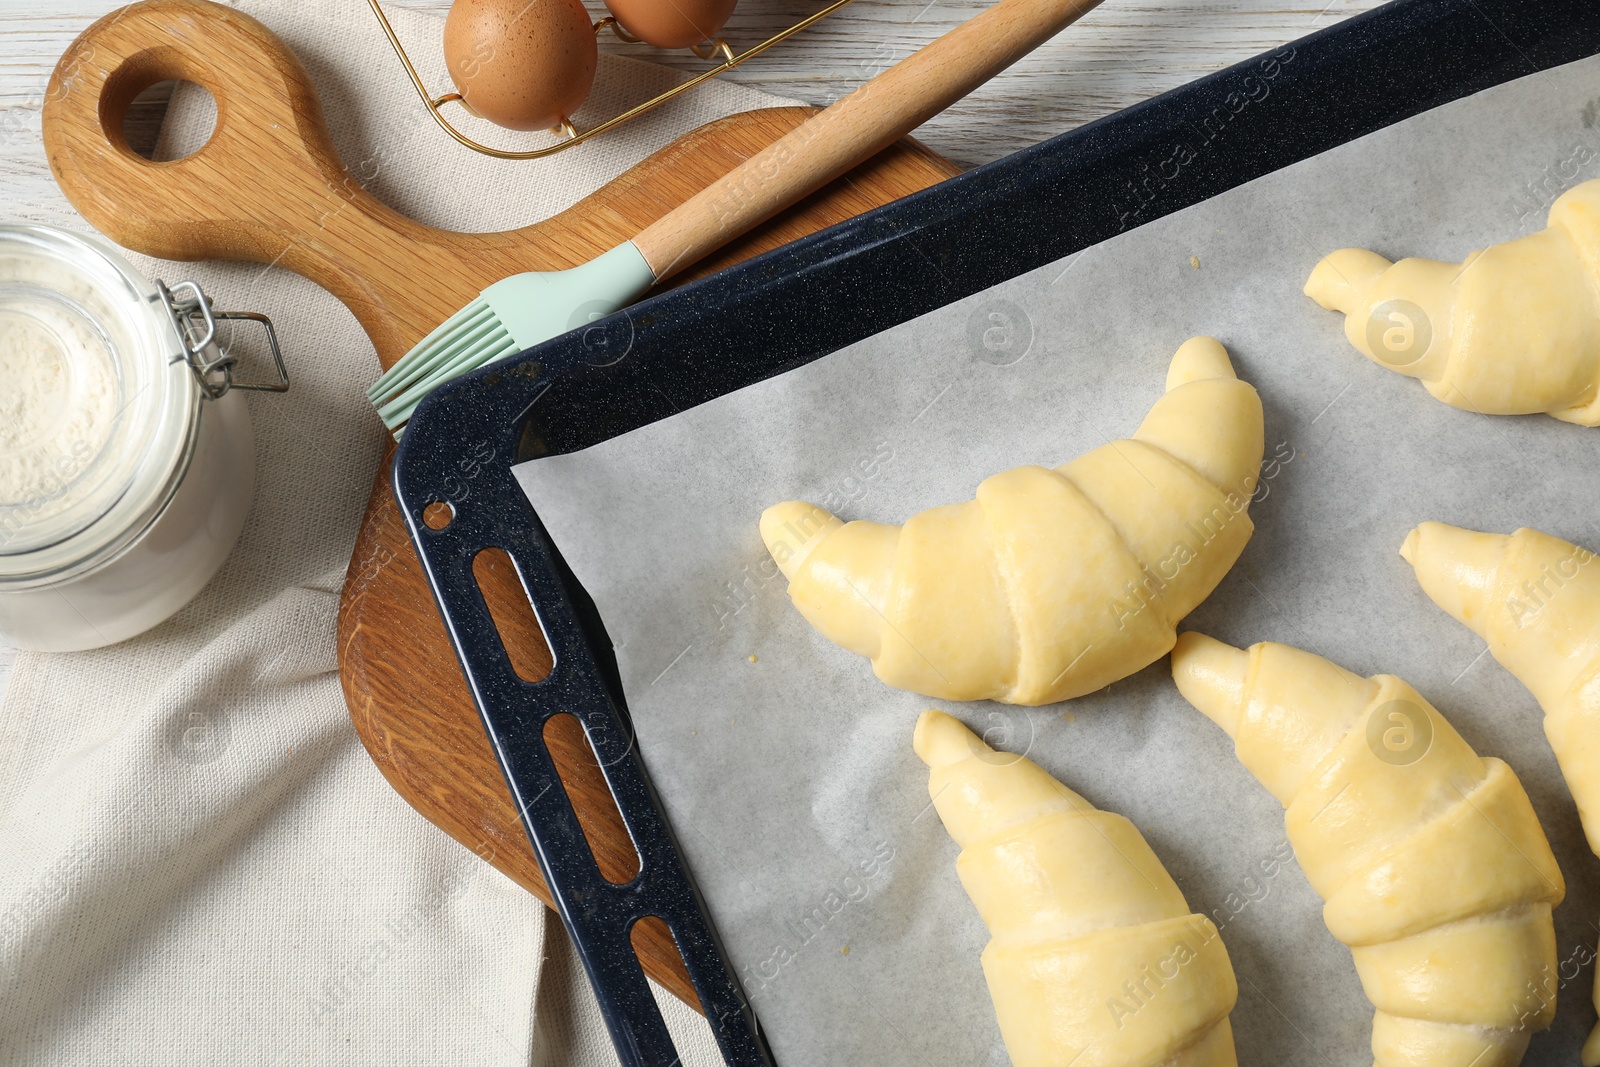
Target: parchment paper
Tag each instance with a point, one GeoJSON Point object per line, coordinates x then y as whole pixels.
{"type": "Point", "coordinates": [787, 767]}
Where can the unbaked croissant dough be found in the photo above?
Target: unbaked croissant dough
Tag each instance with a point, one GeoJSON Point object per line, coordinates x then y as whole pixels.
{"type": "Point", "coordinates": [1052, 583]}
{"type": "Point", "coordinates": [1513, 330]}
{"type": "Point", "coordinates": [1432, 864]}
{"type": "Point", "coordinates": [1536, 600]}
{"type": "Point", "coordinates": [1096, 961]}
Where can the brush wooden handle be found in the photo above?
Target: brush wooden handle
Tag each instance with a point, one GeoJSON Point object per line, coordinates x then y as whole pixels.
{"type": "Point", "coordinates": [855, 127]}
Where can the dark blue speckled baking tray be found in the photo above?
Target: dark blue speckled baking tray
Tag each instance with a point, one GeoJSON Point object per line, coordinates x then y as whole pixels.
{"type": "Point", "coordinates": [810, 298]}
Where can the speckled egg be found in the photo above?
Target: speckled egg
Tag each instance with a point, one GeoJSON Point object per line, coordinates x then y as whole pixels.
{"type": "Point", "coordinates": [521, 64]}
{"type": "Point", "coordinates": [672, 23]}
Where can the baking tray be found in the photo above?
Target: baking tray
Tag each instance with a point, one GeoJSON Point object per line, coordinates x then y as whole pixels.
{"type": "Point", "coordinates": [807, 300]}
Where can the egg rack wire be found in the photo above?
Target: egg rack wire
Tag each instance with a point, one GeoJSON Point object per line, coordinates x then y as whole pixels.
{"type": "Point", "coordinates": [569, 135]}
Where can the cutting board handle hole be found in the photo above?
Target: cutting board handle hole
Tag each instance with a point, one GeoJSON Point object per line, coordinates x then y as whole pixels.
{"type": "Point", "coordinates": [521, 635]}
{"type": "Point", "coordinates": [135, 99]}
{"type": "Point", "coordinates": [579, 769]}
{"type": "Point", "coordinates": [142, 124]}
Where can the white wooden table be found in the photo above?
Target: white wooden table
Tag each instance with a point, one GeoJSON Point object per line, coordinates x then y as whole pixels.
{"type": "Point", "coordinates": [1119, 54]}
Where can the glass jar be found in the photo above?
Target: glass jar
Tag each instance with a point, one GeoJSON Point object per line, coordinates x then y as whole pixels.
{"type": "Point", "coordinates": [127, 462]}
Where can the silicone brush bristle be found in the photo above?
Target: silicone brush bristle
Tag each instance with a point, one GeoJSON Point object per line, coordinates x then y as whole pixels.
{"type": "Point", "coordinates": [512, 314]}
{"type": "Point", "coordinates": [469, 339]}
{"type": "Point", "coordinates": [426, 351]}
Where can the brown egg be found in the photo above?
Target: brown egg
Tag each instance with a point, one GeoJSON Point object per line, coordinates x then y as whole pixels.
{"type": "Point", "coordinates": [672, 23]}
{"type": "Point", "coordinates": [521, 64]}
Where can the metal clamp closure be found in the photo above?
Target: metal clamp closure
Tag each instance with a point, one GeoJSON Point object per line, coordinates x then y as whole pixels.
{"type": "Point", "coordinates": [196, 327]}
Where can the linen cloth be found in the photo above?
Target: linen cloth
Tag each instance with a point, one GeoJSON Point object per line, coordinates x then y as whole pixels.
{"type": "Point", "coordinates": [198, 861]}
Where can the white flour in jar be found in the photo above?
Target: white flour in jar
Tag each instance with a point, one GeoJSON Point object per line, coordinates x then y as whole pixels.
{"type": "Point", "coordinates": [59, 397]}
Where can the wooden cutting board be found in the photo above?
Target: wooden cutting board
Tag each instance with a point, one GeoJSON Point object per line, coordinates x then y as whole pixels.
{"type": "Point", "coordinates": [269, 187]}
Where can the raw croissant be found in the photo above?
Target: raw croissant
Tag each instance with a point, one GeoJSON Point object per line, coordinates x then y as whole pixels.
{"type": "Point", "coordinates": [1432, 864]}
{"type": "Point", "coordinates": [1513, 330]}
{"type": "Point", "coordinates": [1536, 600]}
{"type": "Point", "coordinates": [1095, 960]}
{"type": "Point", "coordinates": [1052, 583]}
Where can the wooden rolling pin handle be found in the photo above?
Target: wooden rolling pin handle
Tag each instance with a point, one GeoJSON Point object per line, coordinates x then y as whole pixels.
{"type": "Point", "coordinates": [854, 128]}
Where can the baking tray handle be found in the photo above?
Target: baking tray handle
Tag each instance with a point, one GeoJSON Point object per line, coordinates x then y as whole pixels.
{"type": "Point", "coordinates": [487, 509]}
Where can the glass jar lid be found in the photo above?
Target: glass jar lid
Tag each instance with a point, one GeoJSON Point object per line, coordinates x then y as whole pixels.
{"type": "Point", "coordinates": [97, 403]}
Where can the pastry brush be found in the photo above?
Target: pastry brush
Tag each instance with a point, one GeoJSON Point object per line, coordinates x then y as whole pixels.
{"type": "Point", "coordinates": [521, 311]}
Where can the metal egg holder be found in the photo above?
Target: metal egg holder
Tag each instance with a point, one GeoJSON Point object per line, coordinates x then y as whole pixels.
{"type": "Point", "coordinates": [568, 134]}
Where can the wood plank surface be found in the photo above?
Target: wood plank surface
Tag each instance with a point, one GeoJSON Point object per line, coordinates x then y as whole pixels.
{"type": "Point", "coordinates": [1125, 51]}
